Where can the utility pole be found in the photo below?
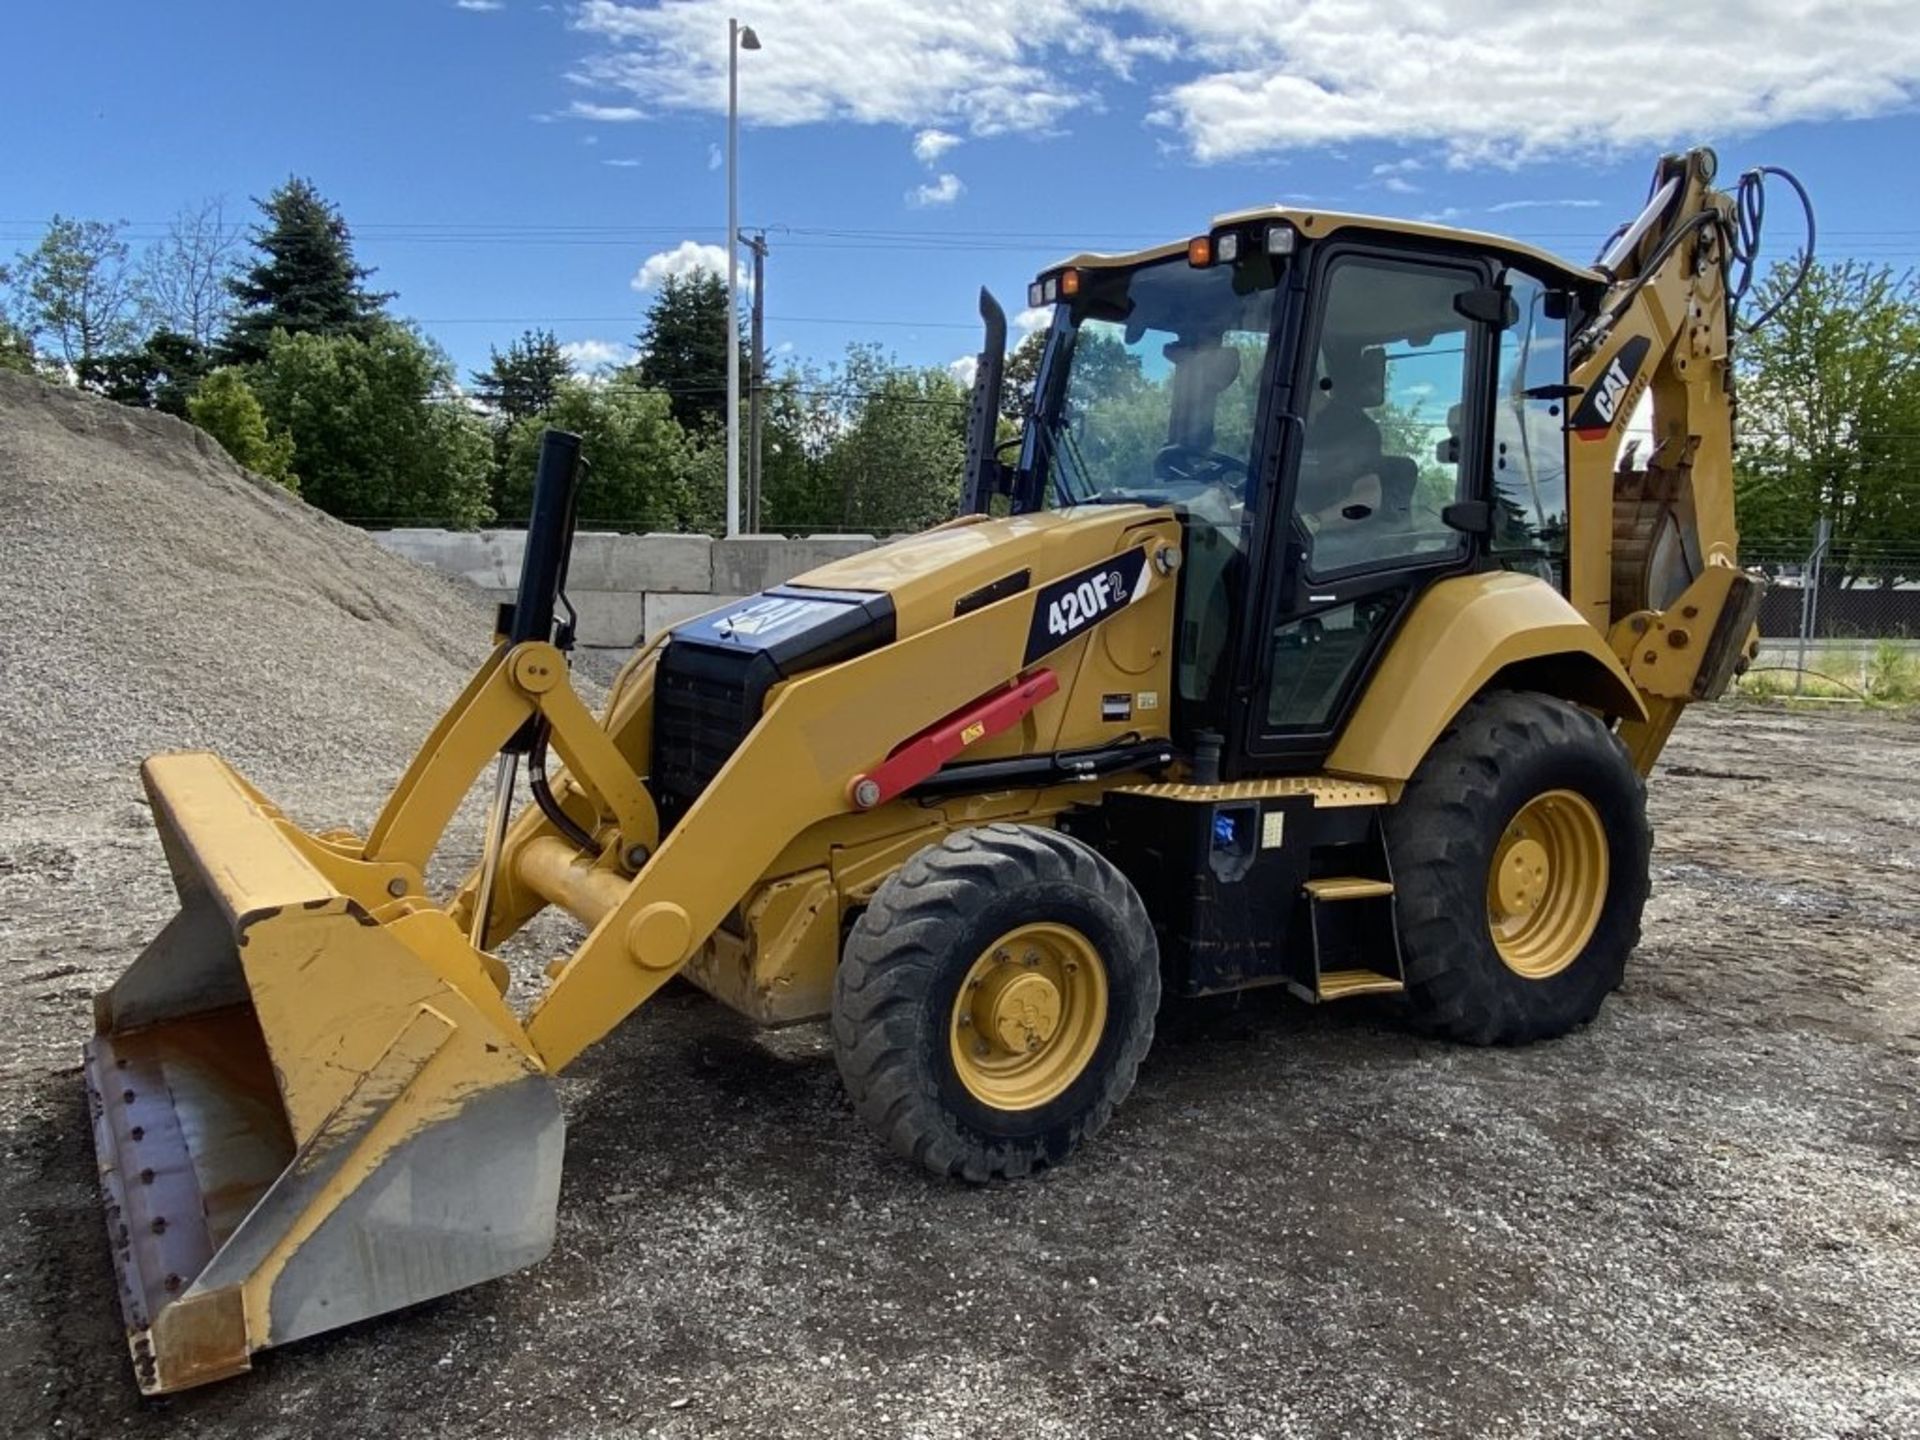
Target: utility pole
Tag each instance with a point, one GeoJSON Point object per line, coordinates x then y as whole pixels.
{"type": "Point", "coordinates": [756, 377]}
{"type": "Point", "coordinates": [739, 37]}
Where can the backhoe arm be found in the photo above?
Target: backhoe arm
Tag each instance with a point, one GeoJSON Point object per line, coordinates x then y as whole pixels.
{"type": "Point", "coordinates": [1655, 546]}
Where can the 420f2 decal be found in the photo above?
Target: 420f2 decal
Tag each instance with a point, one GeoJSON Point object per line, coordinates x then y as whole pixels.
{"type": "Point", "coordinates": [1070, 607]}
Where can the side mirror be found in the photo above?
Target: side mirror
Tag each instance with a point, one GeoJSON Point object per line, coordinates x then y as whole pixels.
{"type": "Point", "coordinates": [986, 477]}
{"type": "Point", "coordinates": [1469, 517]}
{"type": "Point", "coordinates": [1490, 305]}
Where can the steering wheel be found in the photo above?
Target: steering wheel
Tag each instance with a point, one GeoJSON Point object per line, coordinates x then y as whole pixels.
{"type": "Point", "coordinates": [1191, 465]}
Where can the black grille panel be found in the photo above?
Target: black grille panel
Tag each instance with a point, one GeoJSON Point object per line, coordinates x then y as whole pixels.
{"type": "Point", "coordinates": [715, 673]}
{"type": "Point", "coordinates": [700, 716]}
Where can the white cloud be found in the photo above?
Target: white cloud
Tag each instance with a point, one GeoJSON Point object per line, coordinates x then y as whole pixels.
{"type": "Point", "coordinates": [941, 191]}
{"type": "Point", "coordinates": [621, 162]}
{"type": "Point", "coordinates": [1505, 205]}
{"type": "Point", "coordinates": [930, 145]}
{"type": "Point", "coordinates": [1399, 185]}
{"type": "Point", "coordinates": [689, 257]}
{"type": "Point", "coordinates": [479, 6]}
{"type": "Point", "coordinates": [716, 157]}
{"type": "Point", "coordinates": [586, 356]}
{"type": "Point", "coordinates": [1496, 85]}
{"type": "Point", "coordinates": [984, 67]}
{"type": "Point", "coordinates": [964, 369]}
{"type": "Point", "coordinates": [1407, 166]}
{"type": "Point", "coordinates": [1034, 317]}
{"type": "Point", "coordinates": [609, 114]}
{"type": "Point", "coordinates": [1476, 80]}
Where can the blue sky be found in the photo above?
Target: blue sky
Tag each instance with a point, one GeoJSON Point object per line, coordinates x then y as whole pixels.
{"type": "Point", "coordinates": [507, 163]}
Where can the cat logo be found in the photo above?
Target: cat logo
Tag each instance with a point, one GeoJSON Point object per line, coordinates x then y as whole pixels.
{"type": "Point", "coordinates": [1609, 395]}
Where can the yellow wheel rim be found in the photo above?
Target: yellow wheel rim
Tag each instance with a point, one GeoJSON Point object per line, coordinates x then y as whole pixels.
{"type": "Point", "coordinates": [1029, 1016]}
{"type": "Point", "coordinates": [1548, 884]}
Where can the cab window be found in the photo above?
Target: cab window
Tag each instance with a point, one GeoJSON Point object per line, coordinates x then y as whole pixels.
{"type": "Point", "coordinates": [1381, 456]}
{"type": "Point", "coordinates": [1529, 435]}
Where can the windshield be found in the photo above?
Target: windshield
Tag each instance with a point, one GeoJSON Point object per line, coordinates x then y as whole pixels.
{"type": "Point", "coordinates": [1152, 384]}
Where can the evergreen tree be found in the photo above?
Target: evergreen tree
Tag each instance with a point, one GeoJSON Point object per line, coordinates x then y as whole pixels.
{"type": "Point", "coordinates": [306, 280]}
{"type": "Point", "coordinates": [525, 380]}
{"type": "Point", "coordinates": [683, 348]}
{"type": "Point", "coordinates": [160, 375]}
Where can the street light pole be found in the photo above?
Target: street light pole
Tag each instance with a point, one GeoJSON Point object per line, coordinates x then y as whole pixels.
{"type": "Point", "coordinates": [739, 37]}
{"type": "Point", "coordinates": [756, 378]}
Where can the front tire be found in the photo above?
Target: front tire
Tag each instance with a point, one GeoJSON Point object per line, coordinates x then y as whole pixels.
{"type": "Point", "coordinates": [1520, 856]}
{"type": "Point", "coordinates": [994, 1001]}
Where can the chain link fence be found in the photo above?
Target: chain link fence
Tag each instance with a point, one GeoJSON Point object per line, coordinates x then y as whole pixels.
{"type": "Point", "coordinates": [1846, 631]}
{"type": "Point", "coordinates": [1811, 598]}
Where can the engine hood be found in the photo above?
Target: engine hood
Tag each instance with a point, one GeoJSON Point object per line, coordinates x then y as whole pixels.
{"type": "Point", "coordinates": [971, 561]}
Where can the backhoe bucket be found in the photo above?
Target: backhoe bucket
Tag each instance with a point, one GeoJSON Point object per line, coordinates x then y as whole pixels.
{"type": "Point", "coordinates": [306, 1111]}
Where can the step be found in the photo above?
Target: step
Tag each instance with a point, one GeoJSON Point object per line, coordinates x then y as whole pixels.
{"type": "Point", "coordinates": [1348, 887]}
{"type": "Point", "coordinates": [1344, 984]}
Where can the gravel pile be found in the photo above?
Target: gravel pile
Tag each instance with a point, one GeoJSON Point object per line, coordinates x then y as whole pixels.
{"type": "Point", "coordinates": [156, 596]}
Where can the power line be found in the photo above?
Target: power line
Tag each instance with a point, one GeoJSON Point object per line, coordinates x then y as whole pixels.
{"type": "Point", "coordinates": [635, 318]}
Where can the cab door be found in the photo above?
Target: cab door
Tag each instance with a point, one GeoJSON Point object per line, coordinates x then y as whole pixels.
{"type": "Point", "coordinates": [1385, 423]}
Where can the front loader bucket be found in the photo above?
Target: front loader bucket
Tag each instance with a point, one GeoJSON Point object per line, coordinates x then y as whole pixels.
{"type": "Point", "coordinates": [305, 1111]}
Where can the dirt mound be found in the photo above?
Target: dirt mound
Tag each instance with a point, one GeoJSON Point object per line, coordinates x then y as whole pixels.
{"type": "Point", "coordinates": [156, 596]}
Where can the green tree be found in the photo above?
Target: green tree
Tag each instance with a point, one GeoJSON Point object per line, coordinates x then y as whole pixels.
{"type": "Point", "coordinates": [305, 280]}
{"type": "Point", "coordinates": [802, 418]}
{"type": "Point", "coordinates": [16, 350]}
{"type": "Point", "coordinates": [525, 380]}
{"type": "Point", "coordinates": [1829, 408]}
{"type": "Point", "coordinates": [380, 431]}
{"type": "Point", "coordinates": [161, 374]}
{"type": "Point", "coordinates": [74, 291]}
{"type": "Point", "coordinates": [683, 348]}
{"type": "Point", "coordinates": [900, 445]}
{"type": "Point", "coordinates": [642, 468]}
{"type": "Point", "coordinates": [227, 409]}
{"type": "Point", "coordinates": [1023, 368]}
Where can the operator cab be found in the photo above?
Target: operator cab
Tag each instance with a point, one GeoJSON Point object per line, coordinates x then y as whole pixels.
{"type": "Point", "coordinates": [1342, 411]}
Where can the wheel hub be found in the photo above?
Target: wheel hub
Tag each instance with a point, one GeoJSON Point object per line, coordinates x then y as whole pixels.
{"type": "Point", "coordinates": [1029, 1016]}
{"type": "Point", "coordinates": [1524, 876]}
{"type": "Point", "coordinates": [1547, 885]}
{"type": "Point", "coordinates": [1021, 1012]}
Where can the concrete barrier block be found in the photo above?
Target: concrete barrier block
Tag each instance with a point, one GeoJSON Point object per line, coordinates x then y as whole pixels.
{"type": "Point", "coordinates": [664, 611]}
{"type": "Point", "coordinates": [487, 558]}
{"type": "Point", "coordinates": [748, 563]}
{"type": "Point", "coordinates": [679, 563]}
{"type": "Point", "coordinates": [608, 617]}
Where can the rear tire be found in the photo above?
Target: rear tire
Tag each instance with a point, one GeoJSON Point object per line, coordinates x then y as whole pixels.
{"type": "Point", "coordinates": [1520, 858]}
{"type": "Point", "coordinates": [994, 1001]}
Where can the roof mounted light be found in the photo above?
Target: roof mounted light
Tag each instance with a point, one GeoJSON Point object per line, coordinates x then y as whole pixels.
{"type": "Point", "coordinates": [1280, 238]}
{"type": "Point", "coordinates": [1034, 294]}
{"type": "Point", "coordinates": [1226, 248]}
{"type": "Point", "coordinates": [1200, 251]}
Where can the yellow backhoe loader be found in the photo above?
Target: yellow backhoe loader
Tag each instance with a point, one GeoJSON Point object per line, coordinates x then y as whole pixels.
{"type": "Point", "coordinates": [1319, 633]}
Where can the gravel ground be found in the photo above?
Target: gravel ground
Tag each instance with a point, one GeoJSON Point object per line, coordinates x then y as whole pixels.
{"type": "Point", "coordinates": [1700, 1216]}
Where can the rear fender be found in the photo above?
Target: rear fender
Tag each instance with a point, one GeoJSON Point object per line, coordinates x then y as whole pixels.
{"type": "Point", "coordinates": [1466, 635]}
